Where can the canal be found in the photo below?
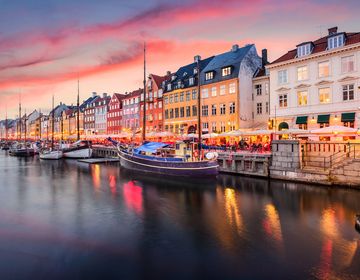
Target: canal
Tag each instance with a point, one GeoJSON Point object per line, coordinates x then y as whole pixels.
{"type": "Point", "coordinates": [68, 220]}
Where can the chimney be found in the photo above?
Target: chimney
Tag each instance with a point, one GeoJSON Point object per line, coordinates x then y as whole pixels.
{"type": "Point", "coordinates": [104, 94]}
{"type": "Point", "coordinates": [234, 48]}
{"type": "Point", "coordinates": [94, 94]}
{"type": "Point", "coordinates": [333, 30]}
{"type": "Point", "coordinates": [168, 73]}
{"type": "Point", "coordinates": [197, 58]}
{"type": "Point", "coordinates": [264, 57]}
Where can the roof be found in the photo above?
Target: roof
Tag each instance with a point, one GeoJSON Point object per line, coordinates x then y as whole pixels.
{"type": "Point", "coordinates": [320, 45]}
{"type": "Point", "coordinates": [134, 93]}
{"type": "Point", "coordinates": [184, 73]}
{"type": "Point", "coordinates": [261, 72]}
{"type": "Point", "coordinates": [159, 79]}
{"type": "Point", "coordinates": [231, 58]}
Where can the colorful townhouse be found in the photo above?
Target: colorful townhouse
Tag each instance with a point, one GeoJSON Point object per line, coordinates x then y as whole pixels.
{"type": "Point", "coordinates": [180, 98]}
{"type": "Point", "coordinates": [101, 108]}
{"type": "Point", "coordinates": [114, 114]}
{"type": "Point", "coordinates": [89, 115]}
{"type": "Point", "coordinates": [131, 114]}
{"type": "Point", "coordinates": [317, 84]}
{"type": "Point", "coordinates": [154, 103]}
{"type": "Point", "coordinates": [226, 90]}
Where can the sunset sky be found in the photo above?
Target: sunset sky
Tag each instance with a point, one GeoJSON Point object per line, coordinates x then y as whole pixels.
{"type": "Point", "coordinates": [46, 44]}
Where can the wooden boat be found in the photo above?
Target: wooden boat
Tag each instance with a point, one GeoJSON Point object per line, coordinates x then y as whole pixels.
{"type": "Point", "coordinates": [51, 154]}
{"type": "Point", "coordinates": [21, 151]}
{"type": "Point", "coordinates": [151, 158]}
{"type": "Point", "coordinates": [78, 150]}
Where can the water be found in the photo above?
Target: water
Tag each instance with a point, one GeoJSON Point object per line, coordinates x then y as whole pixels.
{"type": "Point", "coordinates": [67, 220]}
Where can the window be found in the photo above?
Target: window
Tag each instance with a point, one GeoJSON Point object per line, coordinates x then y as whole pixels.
{"type": "Point", "coordinates": [226, 71]}
{"type": "Point", "coordinates": [194, 110]}
{"type": "Point", "coordinates": [232, 107]}
{"type": "Point", "coordinates": [303, 126]}
{"type": "Point", "coordinates": [266, 88]}
{"type": "Point", "coordinates": [336, 41]}
{"type": "Point", "coordinates": [205, 126]}
{"type": "Point", "coordinates": [213, 91]}
{"type": "Point", "coordinates": [181, 96]}
{"type": "Point", "coordinates": [323, 69]}
{"type": "Point", "coordinates": [302, 73]}
{"type": "Point", "coordinates": [188, 111]}
{"type": "Point", "coordinates": [194, 94]}
{"type": "Point", "coordinates": [171, 113]}
{"type": "Point", "coordinates": [191, 81]}
{"type": "Point", "coordinates": [204, 110]}
{"type": "Point", "coordinates": [222, 109]}
{"type": "Point", "coordinates": [213, 127]}
{"type": "Point", "coordinates": [283, 100]}
{"type": "Point", "coordinates": [322, 125]}
{"type": "Point", "coordinates": [302, 98]}
{"type": "Point", "coordinates": [222, 126]}
{"type": "Point", "coordinates": [324, 95]}
{"type": "Point", "coordinates": [176, 98]}
{"type": "Point", "coordinates": [267, 107]}
{"type": "Point", "coordinates": [347, 64]}
{"type": "Point", "coordinates": [348, 92]}
{"type": "Point", "coordinates": [232, 88]}
{"type": "Point", "coordinates": [160, 104]}
{"type": "Point", "coordinates": [209, 75]}
{"type": "Point", "coordinates": [349, 124]}
{"type": "Point", "coordinates": [213, 109]}
{"type": "Point", "coordinates": [182, 112]}
{"type": "Point", "coordinates": [169, 87]}
{"type": "Point", "coordinates": [303, 50]}
{"type": "Point", "coordinates": [204, 93]}
{"type": "Point", "coordinates": [166, 114]}
{"type": "Point", "coordinates": [258, 90]}
{"type": "Point", "coordinates": [187, 96]}
{"type": "Point", "coordinates": [282, 77]}
{"type": "Point", "coordinates": [222, 90]}
{"type": "Point", "coordinates": [176, 112]}
{"type": "Point", "coordinates": [171, 98]}
{"type": "Point", "coordinates": [259, 108]}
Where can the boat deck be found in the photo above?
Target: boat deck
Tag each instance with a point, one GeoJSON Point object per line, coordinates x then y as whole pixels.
{"type": "Point", "coordinates": [98, 160]}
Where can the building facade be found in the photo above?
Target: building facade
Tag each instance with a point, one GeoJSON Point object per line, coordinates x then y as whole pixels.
{"type": "Point", "coordinates": [131, 114]}
{"type": "Point", "coordinates": [101, 108]}
{"type": "Point", "coordinates": [89, 115]}
{"type": "Point", "coordinates": [181, 98]}
{"type": "Point", "coordinates": [226, 90]}
{"type": "Point", "coordinates": [317, 83]}
{"type": "Point", "coordinates": [114, 114]}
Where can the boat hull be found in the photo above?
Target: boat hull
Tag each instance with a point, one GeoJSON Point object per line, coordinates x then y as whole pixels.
{"type": "Point", "coordinates": [22, 153]}
{"type": "Point", "coordinates": [78, 153]}
{"type": "Point", "coordinates": [53, 155]}
{"type": "Point", "coordinates": [168, 168]}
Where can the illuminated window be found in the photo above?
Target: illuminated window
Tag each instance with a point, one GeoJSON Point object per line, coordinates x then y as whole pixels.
{"type": "Point", "coordinates": [209, 75]}
{"type": "Point", "coordinates": [324, 95]}
{"type": "Point", "coordinates": [204, 93]}
{"type": "Point", "coordinates": [347, 64]}
{"type": "Point", "coordinates": [188, 96]}
{"type": "Point", "coordinates": [222, 90]}
{"type": "Point", "coordinates": [283, 100]}
{"type": "Point", "coordinates": [232, 88]}
{"type": "Point", "coordinates": [226, 71]}
{"type": "Point", "coordinates": [323, 68]}
{"type": "Point", "coordinates": [194, 94]}
{"type": "Point", "coordinates": [213, 91]}
{"type": "Point", "coordinates": [302, 73]}
{"type": "Point", "coordinates": [302, 97]}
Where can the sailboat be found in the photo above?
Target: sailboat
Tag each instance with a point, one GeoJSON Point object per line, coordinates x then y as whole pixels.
{"type": "Point", "coordinates": [81, 148]}
{"type": "Point", "coordinates": [5, 146]}
{"type": "Point", "coordinates": [160, 158]}
{"type": "Point", "coordinates": [52, 153]}
{"type": "Point", "coordinates": [22, 149]}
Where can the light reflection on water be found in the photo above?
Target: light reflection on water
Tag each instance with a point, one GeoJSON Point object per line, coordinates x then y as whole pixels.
{"type": "Point", "coordinates": [69, 220]}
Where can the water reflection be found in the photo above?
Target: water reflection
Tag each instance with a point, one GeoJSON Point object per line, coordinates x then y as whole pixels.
{"type": "Point", "coordinates": [109, 223]}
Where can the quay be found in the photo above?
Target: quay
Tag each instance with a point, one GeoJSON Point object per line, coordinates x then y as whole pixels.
{"type": "Point", "coordinates": [316, 162]}
{"type": "Point", "coordinates": [98, 160]}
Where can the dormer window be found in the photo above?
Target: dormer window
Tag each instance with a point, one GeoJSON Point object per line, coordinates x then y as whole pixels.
{"type": "Point", "coordinates": [336, 41]}
{"type": "Point", "coordinates": [195, 70]}
{"type": "Point", "coordinates": [191, 81]}
{"type": "Point", "coordinates": [169, 87]}
{"type": "Point", "coordinates": [209, 75]}
{"type": "Point", "coordinates": [304, 50]}
{"type": "Point", "coordinates": [173, 78]}
{"type": "Point", "coordinates": [179, 83]}
{"type": "Point", "coordinates": [184, 74]}
{"type": "Point", "coordinates": [226, 71]}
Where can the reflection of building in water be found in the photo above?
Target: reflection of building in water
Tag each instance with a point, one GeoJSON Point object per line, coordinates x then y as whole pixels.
{"type": "Point", "coordinates": [133, 197]}
{"type": "Point", "coordinates": [95, 174]}
{"type": "Point", "coordinates": [112, 184]}
{"type": "Point", "coordinates": [232, 210]}
{"type": "Point", "coordinates": [272, 225]}
{"type": "Point", "coordinates": [335, 249]}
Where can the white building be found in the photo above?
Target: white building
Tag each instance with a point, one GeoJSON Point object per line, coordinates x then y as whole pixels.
{"type": "Point", "coordinates": [101, 109]}
{"type": "Point", "coordinates": [318, 83]}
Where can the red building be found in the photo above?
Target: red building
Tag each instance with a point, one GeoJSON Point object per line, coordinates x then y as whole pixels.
{"type": "Point", "coordinates": [114, 114]}
{"type": "Point", "coordinates": [154, 104]}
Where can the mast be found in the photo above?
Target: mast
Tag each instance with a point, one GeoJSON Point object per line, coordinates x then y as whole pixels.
{"type": "Point", "coordinates": [199, 103]}
{"type": "Point", "coordinates": [19, 126]}
{"type": "Point", "coordinates": [25, 129]}
{"type": "Point", "coordinates": [78, 113]}
{"type": "Point", "coordinates": [6, 125]}
{"type": "Point", "coordinates": [52, 124]}
{"type": "Point", "coordinates": [144, 92]}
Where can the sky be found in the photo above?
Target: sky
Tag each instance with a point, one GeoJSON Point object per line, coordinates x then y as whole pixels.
{"type": "Point", "coordinates": [46, 45]}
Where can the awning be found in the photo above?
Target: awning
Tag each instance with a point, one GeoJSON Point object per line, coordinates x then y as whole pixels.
{"type": "Point", "coordinates": [348, 117]}
{"type": "Point", "coordinates": [283, 125]}
{"type": "Point", "coordinates": [302, 120]}
{"type": "Point", "coordinates": [150, 147]}
{"type": "Point", "coordinates": [323, 118]}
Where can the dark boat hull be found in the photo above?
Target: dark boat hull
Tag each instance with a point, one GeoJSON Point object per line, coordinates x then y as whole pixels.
{"type": "Point", "coordinates": [168, 168]}
{"type": "Point", "coordinates": [22, 153]}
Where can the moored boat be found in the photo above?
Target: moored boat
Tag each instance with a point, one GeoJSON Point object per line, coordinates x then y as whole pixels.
{"type": "Point", "coordinates": [21, 151]}
{"type": "Point", "coordinates": [79, 150]}
{"type": "Point", "coordinates": [51, 155]}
